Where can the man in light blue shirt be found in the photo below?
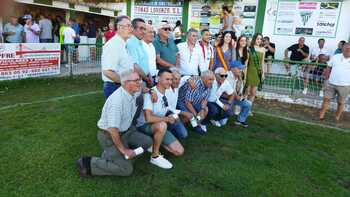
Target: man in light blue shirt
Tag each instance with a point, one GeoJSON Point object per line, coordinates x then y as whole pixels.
{"type": "Point", "coordinates": [13, 31]}
{"type": "Point", "coordinates": [136, 49]}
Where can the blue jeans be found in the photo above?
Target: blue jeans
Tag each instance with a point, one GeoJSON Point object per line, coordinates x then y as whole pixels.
{"type": "Point", "coordinates": [217, 113]}
{"type": "Point", "coordinates": [109, 88]}
{"type": "Point", "coordinates": [182, 106]}
{"type": "Point", "coordinates": [178, 129]}
{"type": "Point", "coordinates": [246, 106]}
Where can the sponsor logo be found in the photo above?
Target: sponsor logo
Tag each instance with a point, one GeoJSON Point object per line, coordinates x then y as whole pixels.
{"type": "Point", "coordinates": [325, 24]}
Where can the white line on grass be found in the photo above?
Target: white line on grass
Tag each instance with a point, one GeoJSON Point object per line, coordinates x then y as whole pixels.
{"type": "Point", "coordinates": [48, 100]}
{"type": "Point", "coordinates": [302, 121]}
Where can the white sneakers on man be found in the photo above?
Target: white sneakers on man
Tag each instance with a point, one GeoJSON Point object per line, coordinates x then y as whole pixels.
{"type": "Point", "coordinates": [161, 162]}
{"type": "Point", "coordinates": [223, 122]}
{"type": "Point", "coordinates": [215, 123]}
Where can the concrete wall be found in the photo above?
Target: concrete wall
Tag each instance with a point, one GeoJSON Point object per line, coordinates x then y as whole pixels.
{"type": "Point", "coordinates": [282, 42]}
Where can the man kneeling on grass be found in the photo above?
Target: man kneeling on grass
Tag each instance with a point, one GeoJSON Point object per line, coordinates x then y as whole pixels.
{"type": "Point", "coordinates": [195, 100]}
{"type": "Point", "coordinates": [161, 122]}
{"type": "Point", "coordinates": [116, 136]}
{"type": "Point", "coordinates": [220, 99]}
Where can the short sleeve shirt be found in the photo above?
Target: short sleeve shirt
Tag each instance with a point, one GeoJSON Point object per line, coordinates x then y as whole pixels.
{"type": "Point", "coordinates": [68, 35]}
{"type": "Point", "coordinates": [118, 111]}
{"type": "Point", "coordinates": [167, 51]}
{"type": "Point", "coordinates": [115, 57]}
{"type": "Point", "coordinates": [46, 29]}
{"type": "Point", "coordinates": [217, 90]}
{"type": "Point", "coordinates": [195, 96]}
{"type": "Point", "coordinates": [190, 61]}
{"type": "Point", "coordinates": [138, 53]}
{"type": "Point", "coordinates": [296, 55]}
{"type": "Point", "coordinates": [340, 70]}
{"type": "Point", "coordinates": [269, 53]}
{"type": "Point", "coordinates": [30, 36]}
{"type": "Point", "coordinates": [18, 30]}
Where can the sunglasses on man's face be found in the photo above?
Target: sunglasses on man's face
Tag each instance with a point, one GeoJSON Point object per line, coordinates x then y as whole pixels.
{"type": "Point", "coordinates": [223, 76]}
{"type": "Point", "coordinates": [166, 29]}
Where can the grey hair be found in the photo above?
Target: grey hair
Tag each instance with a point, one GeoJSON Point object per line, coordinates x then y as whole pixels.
{"type": "Point", "coordinates": [125, 75]}
{"type": "Point", "coordinates": [219, 70]}
{"type": "Point", "coordinates": [207, 73]}
{"type": "Point", "coordinates": [119, 19]}
{"type": "Point", "coordinates": [192, 30]}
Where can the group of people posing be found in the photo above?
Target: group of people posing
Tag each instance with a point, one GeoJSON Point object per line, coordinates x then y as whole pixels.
{"type": "Point", "coordinates": [153, 88]}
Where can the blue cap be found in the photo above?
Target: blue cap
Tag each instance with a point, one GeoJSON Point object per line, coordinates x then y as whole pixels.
{"type": "Point", "coordinates": [27, 16]}
{"type": "Point", "coordinates": [236, 64]}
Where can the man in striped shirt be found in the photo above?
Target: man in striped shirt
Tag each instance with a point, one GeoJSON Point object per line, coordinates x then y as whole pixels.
{"type": "Point", "coordinates": [195, 100]}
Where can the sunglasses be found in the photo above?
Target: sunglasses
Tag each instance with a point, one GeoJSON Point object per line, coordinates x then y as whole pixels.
{"type": "Point", "coordinates": [165, 101]}
{"type": "Point", "coordinates": [166, 29]}
{"type": "Point", "coordinates": [223, 76]}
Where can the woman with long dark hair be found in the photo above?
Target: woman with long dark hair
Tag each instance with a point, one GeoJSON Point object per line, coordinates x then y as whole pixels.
{"type": "Point", "coordinates": [242, 54]}
{"type": "Point", "coordinates": [255, 71]}
{"type": "Point", "coordinates": [225, 51]}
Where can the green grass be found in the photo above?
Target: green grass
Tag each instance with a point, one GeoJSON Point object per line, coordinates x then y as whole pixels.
{"type": "Point", "coordinates": [40, 143]}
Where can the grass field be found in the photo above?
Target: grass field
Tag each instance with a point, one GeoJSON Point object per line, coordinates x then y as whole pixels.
{"type": "Point", "coordinates": [39, 144]}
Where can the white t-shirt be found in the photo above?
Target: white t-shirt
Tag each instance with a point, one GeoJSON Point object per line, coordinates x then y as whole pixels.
{"type": "Point", "coordinates": [317, 51]}
{"type": "Point", "coordinates": [172, 96]}
{"type": "Point", "coordinates": [216, 91]}
{"type": "Point", "coordinates": [158, 108]}
{"type": "Point", "coordinates": [68, 34]}
{"type": "Point", "coordinates": [177, 31]}
{"type": "Point", "coordinates": [151, 52]}
{"type": "Point", "coordinates": [189, 61]}
{"type": "Point", "coordinates": [30, 36]}
{"type": "Point", "coordinates": [46, 29]}
{"type": "Point", "coordinates": [340, 74]}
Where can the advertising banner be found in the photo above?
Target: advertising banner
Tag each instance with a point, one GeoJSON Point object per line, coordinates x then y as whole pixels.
{"type": "Point", "coordinates": [23, 60]}
{"type": "Point", "coordinates": [309, 18]}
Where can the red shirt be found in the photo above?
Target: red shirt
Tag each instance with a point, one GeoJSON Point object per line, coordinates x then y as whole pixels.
{"type": "Point", "coordinates": [109, 34]}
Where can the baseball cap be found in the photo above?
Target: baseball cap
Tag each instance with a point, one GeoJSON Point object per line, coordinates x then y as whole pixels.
{"type": "Point", "coordinates": [27, 16]}
{"type": "Point", "coordinates": [236, 64]}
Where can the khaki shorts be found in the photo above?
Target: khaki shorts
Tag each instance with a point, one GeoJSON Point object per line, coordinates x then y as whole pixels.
{"type": "Point", "coordinates": [168, 138]}
{"type": "Point", "coordinates": [331, 91]}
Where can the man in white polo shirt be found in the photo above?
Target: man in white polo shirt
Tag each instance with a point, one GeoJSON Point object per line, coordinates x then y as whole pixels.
{"type": "Point", "coordinates": [190, 55]}
{"type": "Point", "coordinates": [115, 57]}
{"type": "Point", "coordinates": [207, 51]}
{"type": "Point", "coordinates": [339, 82]}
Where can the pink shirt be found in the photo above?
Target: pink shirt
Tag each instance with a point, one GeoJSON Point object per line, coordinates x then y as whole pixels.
{"type": "Point", "coordinates": [30, 36]}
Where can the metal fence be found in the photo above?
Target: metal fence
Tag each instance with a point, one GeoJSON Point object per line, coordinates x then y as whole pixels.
{"type": "Point", "coordinates": [79, 59]}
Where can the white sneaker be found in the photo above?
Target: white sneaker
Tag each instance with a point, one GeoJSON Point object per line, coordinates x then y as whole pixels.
{"type": "Point", "coordinates": [161, 162]}
{"type": "Point", "coordinates": [223, 122]}
{"type": "Point", "coordinates": [321, 93]}
{"type": "Point", "coordinates": [203, 127]}
{"type": "Point", "coordinates": [305, 91]}
{"type": "Point", "coordinates": [215, 123]}
{"type": "Point", "coordinates": [194, 122]}
{"type": "Point", "coordinates": [150, 149]}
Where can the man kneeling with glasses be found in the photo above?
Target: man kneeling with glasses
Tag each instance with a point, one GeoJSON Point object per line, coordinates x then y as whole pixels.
{"type": "Point", "coordinates": [161, 122]}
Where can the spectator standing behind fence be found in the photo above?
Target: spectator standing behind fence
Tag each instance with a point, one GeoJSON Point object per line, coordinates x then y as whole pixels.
{"type": "Point", "coordinates": [207, 51]}
{"type": "Point", "coordinates": [299, 52]}
{"type": "Point", "coordinates": [13, 31]}
{"type": "Point", "coordinates": [190, 54]}
{"type": "Point", "coordinates": [111, 32]}
{"type": "Point", "coordinates": [116, 135]}
{"type": "Point", "coordinates": [339, 82]}
{"type": "Point", "coordinates": [167, 51]}
{"type": "Point", "coordinates": [91, 32]}
{"type": "Point", "coordinates": [137, 51]}
{"type": "Point", "coordinates": [177, 32]}
{"type": "Point", "coordinates": [31, 30]}
{"type": "Point", "coordinates": [68, 39]}
{"type": "Point", "coordinates": [320, 49]}
{"type": "Point", "coordinates": [151, 52]}
{"type": "Point", "coordinates": [270, 49]}
{"type": "Point", "coordinates": [255, 70]}
{"type": "Point", "coordinates": [115, 57]}
{"type": "Point", "coordinates": [46, 27]}
{"type": "Point", "coordinates": [225, 52]}
{"type": "Point", "coordinates": [340, 47]}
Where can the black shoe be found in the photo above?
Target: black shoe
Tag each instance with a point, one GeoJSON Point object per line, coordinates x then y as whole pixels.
{"type": "Point", "coordinates": [243, 124]}
{"type": "Point", "coordinates": [83, 169]}
{"type": "Point", "coordinates": [199, 130]}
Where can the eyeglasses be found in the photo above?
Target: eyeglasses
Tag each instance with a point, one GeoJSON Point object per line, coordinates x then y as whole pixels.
{"type": "Point", "coordinates": [165, 101]}
{"type": "Point", "coordinates": [223, 76]}
{"type": "Point", "coordinates": [166, 29]}
{"type": "Point", "coordinates": [138, 80]}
